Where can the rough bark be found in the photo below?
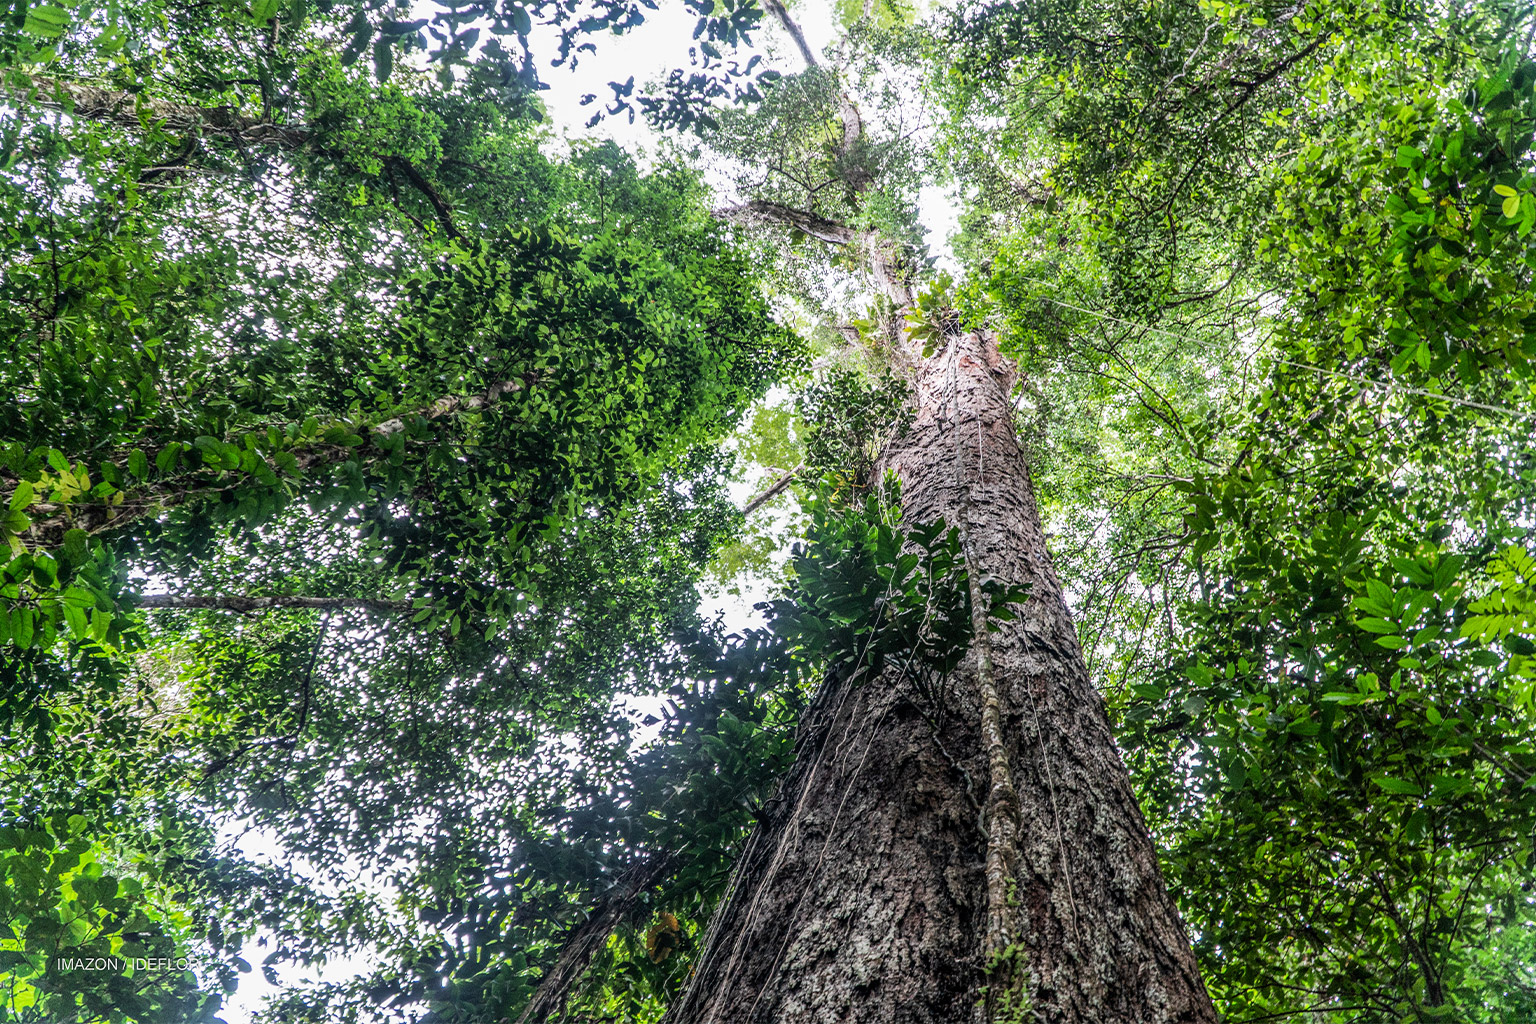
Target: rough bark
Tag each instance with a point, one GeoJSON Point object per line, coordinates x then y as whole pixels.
{"type": "Point", "coordinates": [761, 211]}
{"type": "Point", "coordinates": [127, 110]}
{"type": "Point", "coordinates": [864, 895]}
{"type": "Point", "coordinates": [586, 939]}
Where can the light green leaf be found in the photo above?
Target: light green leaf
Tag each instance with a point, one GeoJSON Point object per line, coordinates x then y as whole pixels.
{"type": "Point", "coordinates": [48, 22]}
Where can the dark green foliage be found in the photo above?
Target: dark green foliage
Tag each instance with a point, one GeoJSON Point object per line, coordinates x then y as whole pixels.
{"type": "Point", "coordinates": [849, 417]}
{"type": "Point", "coordinates": [361, 343]}
{"type": "Point", "coordinates": [111, 928]}
{"type": "Point", "coordinates": [283, 321]}
{"type": "Point", "coordinates": [869, 591]}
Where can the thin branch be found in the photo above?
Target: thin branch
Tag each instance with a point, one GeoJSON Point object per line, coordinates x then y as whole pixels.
{"type": "Point", "coordinates": [214, 767]}
{"type": "Point", "coordinates": [441, 206]}
{"type": "Point", "coordinates": [309, 680]}
{"type": "Point", "coordinates": [586, 938]}
{"type": "Point", "coordinates": [1309, 1009]}
{"type": "Point", "coordinates": [773, 491]}
{"type": "Point", "coordinates": [52, 519]}
{"type": "Point", "coordinates": [778, 10]}
{"type": "Point", "coordinates": [449, 404]}
{"type": "Point", "coordinates": [243, 604]}
{"type": "Point", "coordinates": [128, 110]}
{"type": "Point", "coordinates": [394, 191]}
{"type": "Point", "coordinates": [1250, 87]}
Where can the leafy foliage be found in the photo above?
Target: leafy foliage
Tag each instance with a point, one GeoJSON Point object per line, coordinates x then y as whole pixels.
{"type": "Point", "coordinates": [502, 62]}
{"type": "Point", "coordinates": [849, 415]}
{"type": "Point", "coordinates": [1316, 485]}
{"type": "Point", "coordinates": [64, 912]}
{"type": "Point", "coordinates": [342, 339]}
{"type": "Point", "coordinates": [359, 350]}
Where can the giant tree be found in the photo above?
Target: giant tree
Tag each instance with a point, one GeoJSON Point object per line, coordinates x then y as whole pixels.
{"type": "Point", "coordinates": [365, 463]}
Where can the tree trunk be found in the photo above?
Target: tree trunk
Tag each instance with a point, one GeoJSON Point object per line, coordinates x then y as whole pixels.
{"type": "Point", "coordinates": [866, 893]}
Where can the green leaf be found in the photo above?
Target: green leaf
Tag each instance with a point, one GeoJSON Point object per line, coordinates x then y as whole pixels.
{"type": "Point", "coordinates": [79, 597]}
{"type": "Point", "coordinates": [74, 617]}
{"type": "Point", "coordinates": [77, 545]}
{"type": "Point", "coordinates": [1398, 787]}
{"type": "Point", "coordinates": [22, 627]}
{"type": "Point", "coordinates": [48, 22]}
{"type": "Point", "coordinates": [383, 59]}
{"type": "Point", "coordinates": [1417, 826]}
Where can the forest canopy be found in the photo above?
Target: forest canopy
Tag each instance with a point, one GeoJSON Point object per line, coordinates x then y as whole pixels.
{"type": "Point", "coordinates": [370, 444]}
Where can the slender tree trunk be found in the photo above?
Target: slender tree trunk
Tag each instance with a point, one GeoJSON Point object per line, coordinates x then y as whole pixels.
{"type": "Point", "coordinates": [890, 882]}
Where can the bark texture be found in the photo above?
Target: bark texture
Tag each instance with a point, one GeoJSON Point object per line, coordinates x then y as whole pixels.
{"type": "Point", "coordinates": [864, 896]}
{"type": "Point", "coordinates": [126, 110]}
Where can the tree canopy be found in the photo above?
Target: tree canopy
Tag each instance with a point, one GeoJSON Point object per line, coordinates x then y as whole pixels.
{"type": "Point", "coordinates": [365, 447]}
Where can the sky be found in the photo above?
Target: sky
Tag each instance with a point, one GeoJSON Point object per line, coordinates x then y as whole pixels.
{"type": "Point", "coordinates": [647, 52]}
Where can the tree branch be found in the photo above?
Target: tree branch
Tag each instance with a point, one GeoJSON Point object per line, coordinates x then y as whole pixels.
{"type": "Point", "coordinates": [583, 941]}
{"type": "Point", "coordinates": [394, 192]}
{"type": "Point", "coordinates": [778, 10]}
{"type": "Point", "coordinates": [848, 112]}
{"type": "Point", "coordinates": [1250, 87]}
{"type": "Point", "coordinates": [212, 768]}
{"type": "Point", "coordinates": [240, 603]}
{"type": "Point", "coordinates": [440, 205]}
{"type": "Point", "coordinates": [51, 520]}
{"type": "Point", "coordinates": [761, 211]}
{"type": "Point", "coordinates": [127, 110]}
{"type": "Point", "coordinates": [773, 491]}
